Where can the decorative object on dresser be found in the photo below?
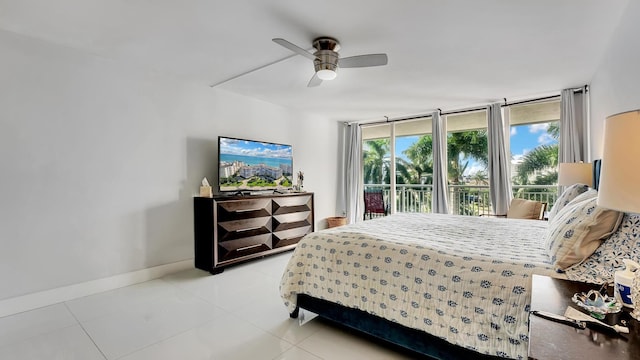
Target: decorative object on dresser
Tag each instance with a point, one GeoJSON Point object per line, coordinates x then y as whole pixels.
{"type": "Point", "coordinates": [233, 229]}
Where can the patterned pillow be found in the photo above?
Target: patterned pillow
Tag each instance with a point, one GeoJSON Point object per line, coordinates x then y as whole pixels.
{"type": "Point", "coordinates": [600, 267]}
{"type": "Point", "coordinates": [569, 194]}
{"type": "Point", "coordinates": [578, 230]}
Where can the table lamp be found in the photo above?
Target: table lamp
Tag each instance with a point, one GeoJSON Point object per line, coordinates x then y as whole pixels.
{"type": "Point", "coordinates": [620, 178]}
{"type": "Point", "coordinates": [620, 174]}
{"type": "Point", "coordinates": [575, 173]}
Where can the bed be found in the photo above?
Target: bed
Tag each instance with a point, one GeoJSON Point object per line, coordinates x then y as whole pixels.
{"type": "Point", "coordinates": [446, 286]}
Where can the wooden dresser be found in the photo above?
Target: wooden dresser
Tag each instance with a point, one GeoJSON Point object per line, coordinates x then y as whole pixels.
{"type": "Point", "coordinates": [232, 229]}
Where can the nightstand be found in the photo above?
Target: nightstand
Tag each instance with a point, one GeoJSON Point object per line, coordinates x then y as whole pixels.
{"type": "Point", "coordinates": [552, 340]}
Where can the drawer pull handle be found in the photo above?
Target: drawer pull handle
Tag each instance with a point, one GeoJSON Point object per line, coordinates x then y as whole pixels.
{"type": "Point", "coordinates": [249, 247]}
{"type": "Point", "coordinates": [245, 210]}
{"type": "Point", "coordinates": [248, 229]}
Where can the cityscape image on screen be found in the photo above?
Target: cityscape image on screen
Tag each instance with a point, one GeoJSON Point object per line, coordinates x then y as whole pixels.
{"type": "Point", "coordinates": [247, 165]}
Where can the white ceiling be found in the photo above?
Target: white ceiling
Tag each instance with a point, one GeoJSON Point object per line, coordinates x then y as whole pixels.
{"type": "Point", "coordinates": [446, 54]}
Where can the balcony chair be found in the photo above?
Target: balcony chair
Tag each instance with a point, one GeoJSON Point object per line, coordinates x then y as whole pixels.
{"type": "Point", "coordinates": [524, 209]}
{"type": "Point", "coordinates": [374, 204]}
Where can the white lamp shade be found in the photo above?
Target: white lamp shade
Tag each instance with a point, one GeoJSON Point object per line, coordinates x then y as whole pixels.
{"type": "Point", "coordinates": [620, 174]}
{"type": "Point", "coordinates": [575, 173]}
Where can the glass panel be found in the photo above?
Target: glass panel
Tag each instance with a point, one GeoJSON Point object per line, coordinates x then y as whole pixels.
{"type": "Point", "coordinates": [534, 151]}
{"type": "Point", "coordinates": [414, 165]}
{"type": "Point", "coordinates": [376, 152]}
{"type": "Point", "coordinates": [467, 157]}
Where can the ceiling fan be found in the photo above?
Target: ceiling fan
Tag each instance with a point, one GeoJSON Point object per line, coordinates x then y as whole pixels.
{"type": "Point", "coordinates": [326, 59]}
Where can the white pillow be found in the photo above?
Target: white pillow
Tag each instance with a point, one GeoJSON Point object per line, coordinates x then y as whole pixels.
{"type": "Point", "coordinates": [578, 230]}
{"type": "Point", "coordinates": [569, 194]}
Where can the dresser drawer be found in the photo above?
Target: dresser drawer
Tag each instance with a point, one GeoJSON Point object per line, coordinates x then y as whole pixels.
{"type": "Point", "coordinates": [232, 249]}
{"type": "Point", "coordinates": [289, 237]}
{"type": "Point", "coordinates": [291, 220]}
{"type": "Point", "coordinates": [286, 205]}
{"type": "Point", "coordinates": [242, 209]}
{"type": "Point", "coordinates": [229, 230]}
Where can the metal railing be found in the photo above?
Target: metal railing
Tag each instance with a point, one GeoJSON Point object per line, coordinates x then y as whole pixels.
{"type": "Point", "coordinates": [463, 199]}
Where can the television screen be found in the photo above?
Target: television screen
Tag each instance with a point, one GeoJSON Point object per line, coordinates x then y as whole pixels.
{"type": "Point", "coordinates": [247, 165]}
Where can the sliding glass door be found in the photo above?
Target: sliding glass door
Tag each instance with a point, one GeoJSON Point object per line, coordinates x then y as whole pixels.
{"type": "Point", "coordinates": [404, 150]}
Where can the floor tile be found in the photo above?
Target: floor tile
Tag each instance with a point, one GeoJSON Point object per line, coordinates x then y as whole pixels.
{"type": "Point", "coordinates": [129, 330]}
{"type": "Point", "coordinates": [336, 344]}
{"type": "Point", "coordinates": [295, 353]}
{"type": "Point", "coordinates": [233, 289]}
{"type": "Point", "coordinates": [25, 325]}
{"type": "Point", "coordinates": [228, 337]}
{"type": "Point", "coordinates": [272, 266]}
{"type": "Point", "coordinates": [187, 315]}
{"type": "Point", "coordinates": [101, 304]}
{"type": "Point", "coordinates": [271, 315]}
{"type": "Point", "coordinates": [70, 343]}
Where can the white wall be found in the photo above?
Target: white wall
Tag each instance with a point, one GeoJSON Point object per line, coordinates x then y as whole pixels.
{"type": "Point", "coordinates": [615, 87]}
{"type": "Point", "coordinates": [100, 160]}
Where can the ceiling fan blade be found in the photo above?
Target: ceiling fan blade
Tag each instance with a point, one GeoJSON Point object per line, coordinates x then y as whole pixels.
{"type": "Point", "coordinates": [294, 48]}
{"type": "Point", "coordinates": [363, 61]}
{"type": "Point", "coordinates": [315, 81]}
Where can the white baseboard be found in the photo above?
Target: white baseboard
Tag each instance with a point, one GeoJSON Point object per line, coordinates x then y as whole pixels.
{"type": "Point", "coordinates": [49, 297]}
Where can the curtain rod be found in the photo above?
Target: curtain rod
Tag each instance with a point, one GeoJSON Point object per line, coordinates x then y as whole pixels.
{"type": "Point", "coordinates": [415, 117]}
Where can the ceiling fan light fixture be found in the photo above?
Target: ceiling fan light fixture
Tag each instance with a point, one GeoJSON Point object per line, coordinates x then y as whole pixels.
{"type": "Point", "coordinates": [326, 59]}
{"type": "Point", "coordinates": [326, 74]}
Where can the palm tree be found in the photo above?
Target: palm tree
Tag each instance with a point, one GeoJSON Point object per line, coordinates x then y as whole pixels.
{"type": "Point", "coordinates": [540, 158]}
{"type": "Point", "coordinates": [420, 155]}
{"type": "Point", "coordinates": [461, 148]}
{"type": "Point", "coordinates": [480, 178]}
{"type": "Point", "coordinates": [374, 161]}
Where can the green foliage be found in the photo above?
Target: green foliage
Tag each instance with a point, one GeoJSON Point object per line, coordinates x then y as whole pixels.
{"type": "Point", "coordinates": [540, 158]}
{"type": "Point", "coordinates": [285, 182]}
{"type": "Point", "coordinates": [480, 178]}
{"type": "Point", "coordinates": [421, 155]}
{"type": "Point", "coordinates": [374, 161]}
{"type": "Point", "coordinates": [462, 147]}
{"type": "Point", "coordinates": [229, 182]}
{"type": "Point", "coordinates": [260, 182]}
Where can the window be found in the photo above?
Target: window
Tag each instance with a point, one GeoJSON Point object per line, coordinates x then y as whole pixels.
{"type": "Point", "coordinates": [414, 165]}
{"type": "Point", "coordinates": [376, 152]}
{"type": "Point", "coordinates": [404, 149]}
{"type": "Point", "coordinates": [533, 142]}
{"type": "Point", "coordinates": [467, 159]}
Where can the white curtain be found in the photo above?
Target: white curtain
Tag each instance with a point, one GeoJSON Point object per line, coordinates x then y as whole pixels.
{"type": "Point", "coordinates": [352, 171]}
{"type": "Point", "coordinates": [439, 196]}
{"type": "Point", "coordinates": [499, 162]}
{"type": "Point", "coordinates": [574, 126]}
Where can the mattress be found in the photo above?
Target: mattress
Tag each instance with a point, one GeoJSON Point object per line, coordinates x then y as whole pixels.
{"type": "Point", "coordinates": [464, 279]}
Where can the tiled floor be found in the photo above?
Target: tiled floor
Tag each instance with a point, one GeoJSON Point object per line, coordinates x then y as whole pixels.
{"type": "Point", "coordinates": [188, 315]}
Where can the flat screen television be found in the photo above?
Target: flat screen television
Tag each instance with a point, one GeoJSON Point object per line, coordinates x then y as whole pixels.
{"type": "Point", "coordinates": [253, 166]}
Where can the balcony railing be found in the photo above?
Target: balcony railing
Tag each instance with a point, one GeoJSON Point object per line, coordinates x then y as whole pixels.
{"type": "Point", "coordinates": [463, 199]}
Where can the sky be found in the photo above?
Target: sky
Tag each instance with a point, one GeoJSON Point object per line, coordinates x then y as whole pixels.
{"type": "Point", "coordinates": [254, 148]}
{"type": "Point", "coordinates": [522, 140]}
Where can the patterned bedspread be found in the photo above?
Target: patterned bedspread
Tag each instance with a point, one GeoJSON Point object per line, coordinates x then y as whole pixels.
{"type": "Point", "coordinates": [464, 279]}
